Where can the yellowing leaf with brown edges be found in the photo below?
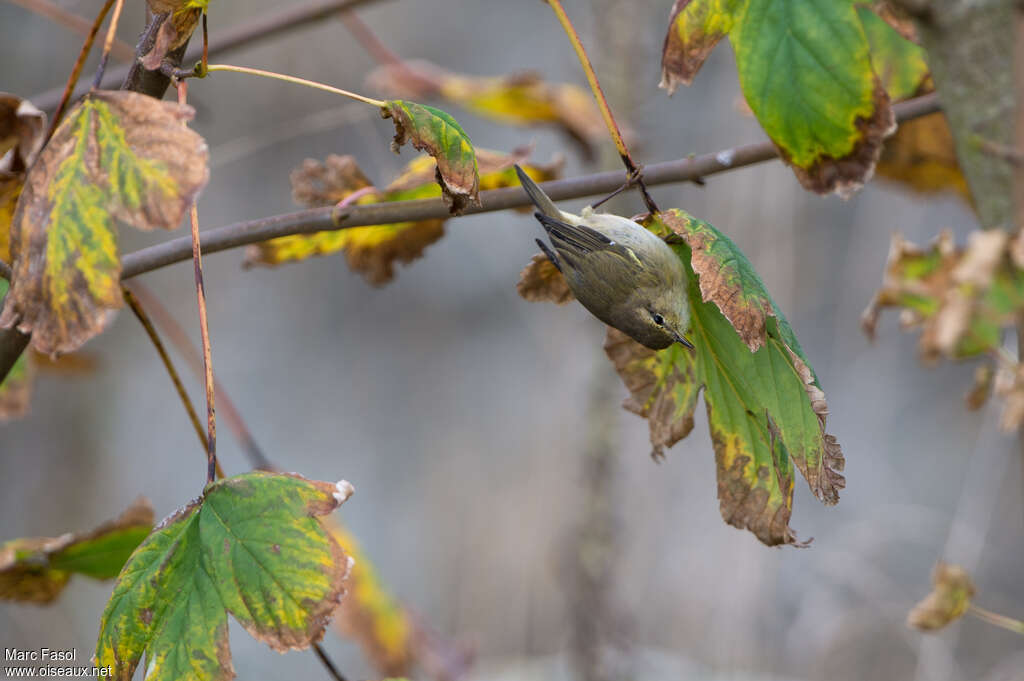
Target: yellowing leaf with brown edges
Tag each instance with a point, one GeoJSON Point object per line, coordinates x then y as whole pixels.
{"type": "Point", "coordinates": [116, 156]}
{"type": "Point", "coordinates": [437, 133]}
{"type": "Point", "coordinates": [373, 250]}
{"type": "Point", "coordinates": [921, 157]}
{"type": "Point", "coordinates": [36, 569]}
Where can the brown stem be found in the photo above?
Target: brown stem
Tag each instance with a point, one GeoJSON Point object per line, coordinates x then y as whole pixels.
{"type": "Point", "coordinates": [194, 359]}
{"type": "Point", "coordinates": [154, 337]}
{"type": "Point", "coordinates": [76, 70]}
{"type": "Point", "coordinates": [632, 170]}
{"type": "Point", "coordinates": [327, 662]}
{"type": "Point", "coordinates": [108, 44]}
{"type": "Point", "coordinates": [1008, 623]}
{"type": "Point", "coordinates": [59, 15]}
{"type": "Point", "coordinates": [204, 328]}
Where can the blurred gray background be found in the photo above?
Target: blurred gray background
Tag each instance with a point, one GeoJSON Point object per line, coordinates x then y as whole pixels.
{"type": "Point", "coordinates": [471, 422]}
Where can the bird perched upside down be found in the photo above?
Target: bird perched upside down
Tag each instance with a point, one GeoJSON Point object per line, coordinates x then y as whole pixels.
{"type": "Point", "coordinates": [623, 274]}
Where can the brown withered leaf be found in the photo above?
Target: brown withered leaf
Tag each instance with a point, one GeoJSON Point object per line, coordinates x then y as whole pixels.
{"type": "Point", "coordinates": [36, 569]}
{"type": "Point", "coordinates": [1008, 383]}
{"type": "Point", "coordinates": [374, 250]}
{"type": "Point", "coordinates": [962, 298]}
{"type": "Point", "coordinates": [540, 281]}
{"type": "Point", "coordinates": [522, 99]}
{"type": "Point", "coordinates": [317, 184]}
{"type": "Point", "coordinates": [897, 17]}
{"type": "Point", "coordinates": [949, 599]}
{"type": "Point", "coordinates": [921, 156]}
{"type": "Point", "coordinates": [663, 387]}
{"type": "Point", "coordinates": [117, 156]}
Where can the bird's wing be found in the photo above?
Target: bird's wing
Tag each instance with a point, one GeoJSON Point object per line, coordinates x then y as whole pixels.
{"type": "Point", "coordinates": [580, 241]}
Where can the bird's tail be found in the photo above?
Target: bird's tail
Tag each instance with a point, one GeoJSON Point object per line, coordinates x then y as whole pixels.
{"type": "Point", "coordinates": [537, 195]}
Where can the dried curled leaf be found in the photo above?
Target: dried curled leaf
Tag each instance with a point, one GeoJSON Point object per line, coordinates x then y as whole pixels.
{"type": "Point", "coordinates": [253, 546]}
{"type": "Point", "coordinates": [373, 250]}
{"type": "Point", "coordinates": [662, 386]}
{"type": "Point", "coordinates": [961, 298]}
{"type": "Point", "coordinates": [36, 569]}
{"type": "Point", "coordinates": [117, 155]}
{"type": "Point", "coordinates": [949, 599]}
{"type": "Point", "coordinates": [540, 281]}
{"type": "Point", "coordinates": [438, 134]}
{"type": "Point", "coordinates": [174, 32]}
{"type": "Point", "coordinates": [516, 99]}
{"type": "Point", "coordinates": [806, 73]}
{"type": "Point", "coordinates": [22, 126]}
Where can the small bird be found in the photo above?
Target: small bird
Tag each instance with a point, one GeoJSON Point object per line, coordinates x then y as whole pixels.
{"type": "Point", "coordinates": [623, 274]}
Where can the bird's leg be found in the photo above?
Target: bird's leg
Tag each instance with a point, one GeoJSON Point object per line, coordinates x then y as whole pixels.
{"type": "Point", "coordinates": [633, 179]}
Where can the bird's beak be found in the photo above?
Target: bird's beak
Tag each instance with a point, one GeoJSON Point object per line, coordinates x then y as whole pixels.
{"type": "Point", "coordinates": [682, 341]}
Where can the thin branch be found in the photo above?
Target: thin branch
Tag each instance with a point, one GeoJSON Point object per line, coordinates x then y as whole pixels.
{"type": "Point", "coordinates": [76, 70]}
{"type": "Point", "coordinates": [263, 27]}
{"type": "Point", "coordinates": [329, 218]}
{"type": "Point", "coordinates": [293, 79]}
{"type": "Point", "coordinates": [154, 337]}
{"type": "Point", "coordinates": [327, 662]}
{"type": "Point", "coordinates": [80, 25]}
{"type": "Point", "coordinates": [635, 174]}
{"type": "Point", "coordinates": [1008, 623]}
{"type": "Point", "coordinates": [204, 328]}
{"type": "Point", "coordinates": [194, 359]}
{"type": "Point", "coordinates": [108, 43]}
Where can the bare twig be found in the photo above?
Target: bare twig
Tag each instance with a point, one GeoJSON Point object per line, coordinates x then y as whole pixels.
{"type": "Point", "coordinates": [194, 359]}
{"type": "Point", "coordinates": [263, 27]}
{"type": "Point", "coordinates": [204, 328]}
{"type": "Point", "coordinates": [76, 70]}
{"type": "Point", "coordinates": [108, 43]}
{"type": "Point", "coordinates": [633, 172]}
{"type": "Point", "coordinates": [994, 618]}
{"type": "Point", "coordinates": [327, 662]}
{"type": "Point", "coordinates": [325, 219]}
{"type": "Point", "coordinates": [140, 314]}
{"type": "Point", "coordinates": [80, 25]}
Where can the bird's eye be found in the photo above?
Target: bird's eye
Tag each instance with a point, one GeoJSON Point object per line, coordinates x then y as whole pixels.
{"type": "Point", "coordinates": [658, 319]}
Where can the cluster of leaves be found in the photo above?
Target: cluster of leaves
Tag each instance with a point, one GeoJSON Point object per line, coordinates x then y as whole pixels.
{"type": "Point", "coordinates": [766, 410]}
{"type": "Point", "coordinates": [373, 250]}
{"type": "Point", "coordinates": [819, 76]}
{"type": "Point", "coordinates": [963, 299]}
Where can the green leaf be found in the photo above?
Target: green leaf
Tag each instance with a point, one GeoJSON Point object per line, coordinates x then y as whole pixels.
{"type": "Point", "coordinates": [806, 73]}
{"type": "Point", "coordinates": [766, 410]}
{"type": "Point", "coordinates": [117, 156]}
{"type": "Point", "coordinates": [252, 546]}
{"type": "Point", "coordinates": [899, 63]}
{"type": "Point", "coordinates": [438, 134]}
{"type": "Point", "coordinates": [36, 569]}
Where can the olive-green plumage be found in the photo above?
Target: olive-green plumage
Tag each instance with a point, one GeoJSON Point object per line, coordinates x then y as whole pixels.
{"type": "Point", "coordinates": [623, 274]}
